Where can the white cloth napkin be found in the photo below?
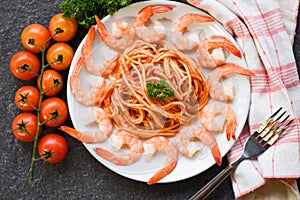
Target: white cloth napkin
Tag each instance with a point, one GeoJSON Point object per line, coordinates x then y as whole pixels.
{"type": "Point", "coordinates": [264, 31]}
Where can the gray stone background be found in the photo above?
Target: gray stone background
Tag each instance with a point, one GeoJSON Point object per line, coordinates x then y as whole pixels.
{"type": "Point", "coordinates": [79, 176]}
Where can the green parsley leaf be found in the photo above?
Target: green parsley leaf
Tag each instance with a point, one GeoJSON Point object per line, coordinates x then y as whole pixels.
{"type": "Point", "coordinates": [84, 11]}
{"type": "Point", "coordinates": [159, 90]}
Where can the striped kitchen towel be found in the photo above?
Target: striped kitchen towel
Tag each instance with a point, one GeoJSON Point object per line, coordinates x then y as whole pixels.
{"type": "Point", "coordinates": [265, 31]}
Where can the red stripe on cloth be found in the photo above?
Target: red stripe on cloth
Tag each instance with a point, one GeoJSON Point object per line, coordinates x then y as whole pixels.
{"type": "Point", "coordinates": [282, 77]}
{"type": "Point", "coordinates": [266, 24]}
{"type": "Point", "coordinates": [290, 137]}
{"type": "Point", "coordinates": [235, 26]}
{"type": "Point", "coordinates": [272, 63]}
{"type": "Point", "coordinates": [261, 43]}
{"type": "Point", "coordinates": [288, 73]}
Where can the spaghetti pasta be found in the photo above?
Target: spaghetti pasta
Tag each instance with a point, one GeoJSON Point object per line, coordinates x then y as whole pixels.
{"type": "Point", "coordinates": [126, 100]}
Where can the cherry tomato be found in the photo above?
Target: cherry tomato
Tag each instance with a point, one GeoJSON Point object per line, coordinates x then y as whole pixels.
{"type": "Point", "coordinates": [52, 82]}
{"type": "Point", "coordinates": [27, 98]}
{"type": "Point", "coordinates": [34, 37]}
{"type": "Point", "coordinates": [53, 148]}
{"type": "Point", "coordinates": [60, 56]}
{"type": "Point", "coordinates": [25, 65]}
{"type": "Point", "coordinates": [68, 26]}
{"type": "Point", "coordinates": [54, 112]}
{"type": "Point", "coordinates": [24, 127]}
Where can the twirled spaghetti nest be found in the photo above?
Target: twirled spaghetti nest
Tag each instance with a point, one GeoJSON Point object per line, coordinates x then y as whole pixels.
{"type": "Point", "coordinates": [126, 99]}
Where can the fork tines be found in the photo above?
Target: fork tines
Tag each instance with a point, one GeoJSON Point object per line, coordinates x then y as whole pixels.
{"type": "Point", "coordinates": [272, 128]}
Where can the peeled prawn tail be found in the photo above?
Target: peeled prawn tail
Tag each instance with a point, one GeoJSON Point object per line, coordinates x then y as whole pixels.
{"type": "Point", "coordinates": [161, 8]}
{"type": "Point", "coordinates": [163, 144]}
{"type": "Point", "coordinates": [186, 20]}
{"type": "Point", "coordinates": [118, 140]}
{"type": "Point", "coordinates": [87, 137]}
{"type": "Point", "coordinates": [230, 133]}
{"type": "Point", "coordinates": [215, 150]}
{"type": "Point", "coordinates": [71, 131]}
{"type": "Point", "coordinates": [230, 47]}
{"type": "Point", "coordinates": [208, 138]}
{"type": "Point", "coordinates": [230, 130]}
{"type": "Point", "coordinates": [87, 45]}
{"type": "Point", "coordinates": [231, 123]}
{"type": "Point", "coordinates": [163, 172]}
{"type": "Point", "coordinates": [75, 74]}
{"type": "Point", "coordinates": [101, 27]}
{"type": "Point", "coordinates": [145, 13]}
{"type": "Point", "coordinates": [230, 68]}
{"type": "Point", "coordinates": [117, 159]}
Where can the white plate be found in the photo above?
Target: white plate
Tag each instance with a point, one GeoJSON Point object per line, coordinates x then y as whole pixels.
{"type": "Point", "coordinates": [186, 167]}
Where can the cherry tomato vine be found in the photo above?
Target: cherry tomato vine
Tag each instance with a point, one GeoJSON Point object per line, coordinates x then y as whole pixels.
{"type": "Point", "coordinates": [40, 105]}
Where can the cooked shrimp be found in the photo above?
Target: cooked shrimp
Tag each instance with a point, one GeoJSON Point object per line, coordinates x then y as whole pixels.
{"type": "Point", "coordinates": [118, 140]}
{"type": "Point", "coordinates": [216, 115]}
{"type": "Point", "coordinates": [121, 37]}
{"type": "Point", "coordinates": [219, 91]}
{"type": "Point", "coordinates": [230, 118]}
{"type": "Point", "coordinates": [184, 143]}
{"type": "Point", "coordinates": [180, 41]}
{"type": "Point", "coordinates": [210, 51]}
{"type": "Point", "coordinates": [145, 33]}
{"type": "Point", "coordinates": [212, 116]}
{"type": "Point", "coordinates": [104, 129]}
{"type": "Point", "coordinates": [160, 143]}
{"type": "Point", "coordinates": [90, 97]}
{"type": "Point", "coordinates": [90, 64]}
{"type": "Point", "coordinates": [188, 147]}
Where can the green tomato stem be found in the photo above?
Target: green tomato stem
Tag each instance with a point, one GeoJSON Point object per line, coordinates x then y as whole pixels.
{"type": "Point", "coordinates": [36, 138]}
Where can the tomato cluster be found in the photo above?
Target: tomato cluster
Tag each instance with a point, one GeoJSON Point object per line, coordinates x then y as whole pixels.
{"type": "Point", "coordinates": [46, 54]}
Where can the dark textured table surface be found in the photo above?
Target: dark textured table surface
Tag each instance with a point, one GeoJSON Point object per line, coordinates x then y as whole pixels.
{"type": "Point", "coordinates": [79, 176]}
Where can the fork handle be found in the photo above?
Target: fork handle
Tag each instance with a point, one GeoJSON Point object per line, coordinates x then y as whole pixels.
{"type": "Point", "coordinates": [213, 184]}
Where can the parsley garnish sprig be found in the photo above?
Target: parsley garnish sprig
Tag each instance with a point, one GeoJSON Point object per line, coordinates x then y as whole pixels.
{"type": "Point", "coordinates": [84, 11]}
{"type": "Point", "coordinates": [160, 90]}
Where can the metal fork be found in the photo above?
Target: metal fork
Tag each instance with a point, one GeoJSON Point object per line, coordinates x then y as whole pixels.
{"type": "Point", "coordinates": [264, 137]}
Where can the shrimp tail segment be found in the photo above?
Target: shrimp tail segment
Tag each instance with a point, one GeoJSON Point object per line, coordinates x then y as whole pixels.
{"type": "Point", "coordinates": [101, 27]}
{"type": "Point", "coordinates": [188, 19]}
{"type": "Point", "coordinates": [155, 9]}
{"type": "Point", "coordinates": [230, 68]}
{"type": "Point", "coordinates": [71, 131]}
{"type": "Point", "coordinates": [125, 158]}
{"type": "Point", "coordinates": [231, 124]}
{"type": "Point", "coordinates": [87, 45]}
{"type": "Point", "coordinates": [76, 72]}
{"type": "Point", "coordinates": [229, 132]}
{"type": "Point", "coordinates": [230, 47]}
{"type": "Point", "coordinates": [216, 154]}
{"type": "Point", "coordinates": [162, 173]}
{"type": "Point", "coordinates": [207, 138]}
{"type": "Point", "coordinates": [145, 13]}
{"type": "Point", "coordinates": [117, 159]}
{"type": "Point", "coordinates": [160, 143]}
